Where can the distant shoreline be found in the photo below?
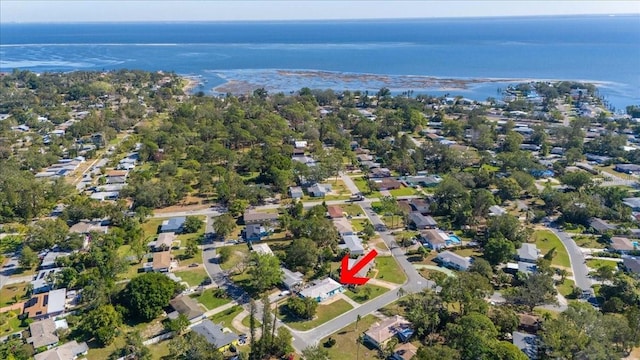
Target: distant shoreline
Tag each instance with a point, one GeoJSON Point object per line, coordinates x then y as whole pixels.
{"type": "Point", "coordinates": [363, 81]}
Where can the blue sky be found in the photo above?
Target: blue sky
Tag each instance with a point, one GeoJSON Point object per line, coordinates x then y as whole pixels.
{"type": "Point", "coordinates": [150, 10]}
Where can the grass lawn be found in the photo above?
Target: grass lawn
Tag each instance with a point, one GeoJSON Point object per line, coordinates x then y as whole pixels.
{"type": "Point", "coordinates": [598, 263]}
{"type": "Point", "coordinates": [360, 296]}
{"type": "Point", "coordinates": [150, 227]}
{"type": "Point", "coordinates": [566, 287]}
{"type": "Point", "coordinates": [183, 260]}
{"type": "Point", "coordinates": [226, 317]}
{"type": "Point", "coordinates": [346, 345]}
{"type": "Point", "coordinates": [98, 352]}
{"type": "Point", "coordinates": [358, 224]}
{"type": "Point", "coordinates": [132, 271]}
{"type": "Point", "coordinates": [192, 277]}
{"type": "Point", "coordinates": [209, 300]}
{"type": "Point", "coordinates": [159, 350]}
{"type": "Point", "coordinates": [8, 293]}
{"type": "Point", "coordinates": [587, 241]}
{"type": "Point", "coordinates": [246, 321]}
{"type": "Point", "coordinates": [545, 240]}
{"type": "Point", "coordinates": [12, 323]}
{"type": "Point", "coordinates": [364, 188]}
{"type": "Point", "coordinates": [389, 270]}
{"type": "Point", "coordinates": [403, 191]}
{"type": "Point", "coordinates": [472, 252]}
{"type": "Point", "coordinates": [351, 209]}
{"type": "Point", "coordinates": [393, 222]}
{"type": "Point", "coordinates": [238, 253]}
{"type": "Point", "coordinates": [323, 314]}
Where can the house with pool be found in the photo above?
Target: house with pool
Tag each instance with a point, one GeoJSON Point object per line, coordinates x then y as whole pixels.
{"type": "Point", "coordinates": [437, 239]}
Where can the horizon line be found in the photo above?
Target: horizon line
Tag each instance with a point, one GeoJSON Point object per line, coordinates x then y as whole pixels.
{"type": "Point", "coordinates": [488, 17]}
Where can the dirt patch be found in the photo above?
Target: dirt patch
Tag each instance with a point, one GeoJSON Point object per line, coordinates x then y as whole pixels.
{"type": "Point", "coordinates": [186, 204]}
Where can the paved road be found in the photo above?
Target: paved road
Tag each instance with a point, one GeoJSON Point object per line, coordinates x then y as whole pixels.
{"type": "Point", "coordinates": [8, 269]}
{"type": "Point", "coordinates": [578, 265]}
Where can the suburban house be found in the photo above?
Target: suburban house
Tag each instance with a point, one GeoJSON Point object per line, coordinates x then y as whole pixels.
{"type": "Point", "coordinates": [319, 190]}
{"type": "Point", "coordinates": [292, 279]}
{"type": "Point", "coordinates": [387, 184]}
{"type": "Point", "coordinates": [365, 270]}
{"type": "Point", "coordinates": [419, 221]}
{"type": "Point", "coordinates": [621, 245]}
{"type": "Point", "coordinates": [163, 242]}
{"type": "Point", "coordinates": [46, 305]}
{"type": "Point", "coordinates": [395, 326]}
{"type": "Point", "coordinates": [43, 280]}
{"type": "Point", "coordinates": [435, 239]}
{"type": "Point", "coordinates": [161, 261]}
{"type": "Point", "coordinates": [262, 249]}
{"type": "Point", "coordinates": [322, 289]}
{"type": "Point", "coordinates": [335, 211]}
{"type": "Point", "coordinates": [296, 192]}
{"type": "Point", "coordinates": [405, 351]}
{"type": "Point", "coordinates": [353, 244]}
{"type": "Point", "coordinates": [633, 203]}
{"type": "Point", "coordinates": [632, 264]}
{"type": "Point", "coordinates": [68, 351]}
{"type": "Point", "coordinates": [422, 180]}
{"type": "Point", "coordinates": [627, 168]}
{"type": "Point", "coordinates": [420, 205]}
{"type": "Point", "coordinates": [379, 173]}
{"type": "Point", "coordinates": [43, 333]}
{"type": "Point", "coordinates": [49, 260]}
{"type": "Point", "coordinates": [496, 210]}
{"type": "Point", "coordinates": [528, 323]}
{"type": "Point", "coordinates": [251, 217]}
{"type": "Point", "coordinates": [452, 260]}
{"type": "Point", "coordinates": [116, 176]}
{"type": "Point", "coordinates": [601, 226]}
{"type": "Point", "coordinates": [520, 266]}
{"type": "Point", "coordinates": [343, 226]}
{"type": "Point", "coordinates": [528, 253]}
{"type": "Point", "coordinates": [186, 306]}
{"type": "Point", "coordinates": [173, 225]}
{"type": "Point", "coordinates": [254, 232]}
{"type": "Point", "coordinates": [216, 335]}
{"type": "Point", "coordinates": [527, 343]}
{"type": "Point", "coordinates": [85, 227]}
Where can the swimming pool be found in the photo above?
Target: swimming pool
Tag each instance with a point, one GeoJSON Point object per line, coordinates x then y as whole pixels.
{"type": "Point", "coordinates": [454, 239]}
{"type": "Point", "coordinates": [636, 244]}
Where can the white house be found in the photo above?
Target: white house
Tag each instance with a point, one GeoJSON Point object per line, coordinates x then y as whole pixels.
{"type": "Point", "coordinates": [322, 290]}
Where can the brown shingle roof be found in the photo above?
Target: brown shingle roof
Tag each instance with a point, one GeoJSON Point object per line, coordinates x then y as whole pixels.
{"type": "Point", "coordinates": [186, 306]}
{"type": "Point", "coordinates": [621, 243]}
{"type": "Point", "coordinates": [334, 211]}
{"type": "Point", "coordinates": [161, 260]}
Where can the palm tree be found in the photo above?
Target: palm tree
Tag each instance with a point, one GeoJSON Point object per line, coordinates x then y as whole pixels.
{"type": "Point", "coordinates": [357, 341]}
{"type": "Point", "coordinates": [401, 292]}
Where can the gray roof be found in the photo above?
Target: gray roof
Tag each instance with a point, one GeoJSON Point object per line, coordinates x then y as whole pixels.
{"type": "Point", "coordinates": [632, 264]}
{"type": "Point", "coordinates": [214, 334]}
{"type": "Point", "coordinates": [291, 278]}
{"type": "Point", "coordinates": [528, 252]}
{"type": "Point", "coordinates": [56, 300]}
{"type": "Point", "coordinates": [259, 216]}
{"type": "Point", "coordinates": [497, 210]}
{"type": "Point", "coordinates": [601, 225]}
{"type": "Point", "coordinates": [43, 333]}
{"type": "Point", "coordinates": [527, 343]}
{"type": "Point", "coordinates": [353, 243]}
{"type": "Point", "coordinates": [49, 259]}
{"type": "Point", "coordinates": [453, 258]}
{"type": "Point", "coordinates": [186, 306]}
{"type": "Point", "coordinates": [67, 351]}
{"type": "Point", "coordinates": [173, 225]}
{"type": "Point", "coordinates": [43, 280]}
{"type": "Point", "coordinates": [633, 202]}
{"type": "Point", "coordinates": [420, 220]}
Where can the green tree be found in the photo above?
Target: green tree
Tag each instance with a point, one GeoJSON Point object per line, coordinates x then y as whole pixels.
{"type": "Point", "coordinates": [576, 179]}
{"type": "Point", "coordinates": [146, 295]}
{"type": "Point", "coordinates": [223, 225]}
{"type": "Point", "coordinates": [302, 254]}
{"type": "Point", "coordinates": [538, 289]}
{"type": "Point", "coordinates": [304, 308]}
{"type": "Point", "coordinates": [192, 225]}
{"type": "Point", "coordinates": [28, 258]}
{"type": "Point", "coordinates": [482, 267]}
{"type": "Point", "coordinates": [192, 248]}
{"type": "Point", "coordinates": [499, 250]}
{"type": "Point", "coordinates": [193, 346]}
{"type": "Point", "coordinates": [102, 323]}
{"type": "Point", "coordinates": [315, 352]}
{"type": "Point", "coordinates": [224, 253]}
{"type": "Point", "coordinates": [473, 335]}
{"type": "Point", "coordinates": [134, 348]}
{"type": "Point", "coordinates": [505, 319]}
{"type": "Point", "coordinates": [177, 325]}
{"type": "Point", "coordinates": [265, 271]}
{"type": "Point", "coordinates": [512, 142]}
{"type": "Point", "coordinates": [503, 350]}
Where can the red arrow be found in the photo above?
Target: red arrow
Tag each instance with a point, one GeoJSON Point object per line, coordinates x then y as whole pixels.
{"type": "Point", "coordinates": [348, 276]}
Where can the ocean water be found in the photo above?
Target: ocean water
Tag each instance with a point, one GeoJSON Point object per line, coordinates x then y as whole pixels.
{"type": "Point", "coordinates": [427, 56]}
